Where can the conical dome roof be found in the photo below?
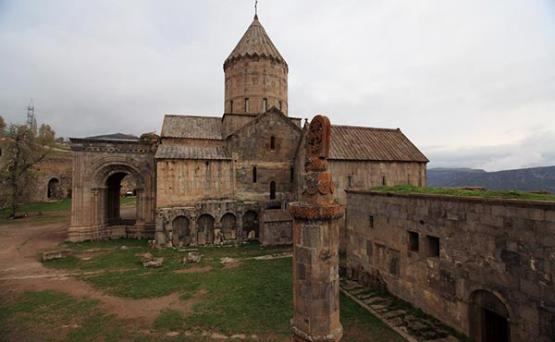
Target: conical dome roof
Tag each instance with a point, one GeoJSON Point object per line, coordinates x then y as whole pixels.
{"type": "Point", "coordinates": [255, 43]}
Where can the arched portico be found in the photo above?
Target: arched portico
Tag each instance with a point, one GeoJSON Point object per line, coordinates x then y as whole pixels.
{"type": "Point", "coordinates": [97, 175]}
{"type": "Point", "coordinates": [53, 190]}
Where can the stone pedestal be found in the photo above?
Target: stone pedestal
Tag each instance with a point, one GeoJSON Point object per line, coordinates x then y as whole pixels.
{"type": "Point", "coordinates": [317, 219]}
{"type": "Point", "coordinates": [316, 272]}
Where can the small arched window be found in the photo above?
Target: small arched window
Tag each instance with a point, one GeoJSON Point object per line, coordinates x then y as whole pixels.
{"type": "Point", "coordinates": [264, 105]}
{"type": "Point", "coordinates": [272, 143]}
{"type": "Point", "coordinates": [384, 183]}
{"type": "Point", "coordinates": [254, 175]}
{"type": "Point", "coordinates": [247, 105]}
{"type": "Point", "coordinates": [272, 190]}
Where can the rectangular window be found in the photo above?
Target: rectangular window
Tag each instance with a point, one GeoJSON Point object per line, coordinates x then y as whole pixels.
{"type": "Point", "coordinates": [371, 221]}
{"type": "Point", "coordinates": [231, 106]}
{"type": "Point", "coordinates": [384, 183]}
{"type": "Point", "coordinates": [292, 175]}
{"type": "Point", "coordinates": [254, 175]}
{"type": "Point", "coordinates": [414, 244]}
{"type": "Point", "coordinates": [247, 107]}
{"type": "Point", "coordinates": [280, 105]}
{"type": "Point", "coordinates": [433, 246]}
{"type": "Point", "coordinates": [264, 105]}
{"type": "Point", "coordinates": [349, 181]}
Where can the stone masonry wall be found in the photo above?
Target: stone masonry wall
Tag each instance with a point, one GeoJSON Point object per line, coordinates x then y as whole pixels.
{"type": "Point", "coordinates": [505, 248]}
{"type": "Point", "coordinates": [255, 79]}
{"type": "Point", "coordinates": [183, 182]}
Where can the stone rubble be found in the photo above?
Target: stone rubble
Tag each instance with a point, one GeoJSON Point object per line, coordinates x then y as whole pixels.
{"type": "Point", "coordinates": [193, 257]}
{"type": "Point", "coordinates": [413, 327]}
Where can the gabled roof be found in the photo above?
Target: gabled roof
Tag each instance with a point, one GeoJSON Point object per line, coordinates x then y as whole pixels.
{"type": "Point", "coordinates": [255, 43]}
{"type": "Point", "coordinates": [376, 144]}
{"type": "Point", "coordinates": [192, 127]}
{"type": "Point", "coordinates": [272, 111]}
{"type": "Point", "coordinates": [216, 152]}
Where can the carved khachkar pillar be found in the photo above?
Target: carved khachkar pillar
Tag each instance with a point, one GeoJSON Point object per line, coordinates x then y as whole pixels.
{"type": "Point", "coordinates": [316, 245]}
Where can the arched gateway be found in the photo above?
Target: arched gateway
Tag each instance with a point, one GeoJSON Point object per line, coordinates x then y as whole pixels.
{"type": "Point", "coordinates": [99, 166]}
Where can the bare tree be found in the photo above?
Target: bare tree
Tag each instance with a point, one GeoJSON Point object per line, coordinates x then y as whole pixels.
{"type": "Point", "coordinates": [23, 151]}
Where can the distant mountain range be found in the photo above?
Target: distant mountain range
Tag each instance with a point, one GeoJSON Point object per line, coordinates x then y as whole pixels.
{"type": "Point", "coordinates": [532, 179]}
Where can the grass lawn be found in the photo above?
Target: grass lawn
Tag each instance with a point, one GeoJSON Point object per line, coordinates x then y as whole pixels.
{"type": "Point", "coordinates": [512, 195]}
{"type": "Point", "coordinates": [254, 297]}
{"type": "Point", "coordinates": [49, 212]}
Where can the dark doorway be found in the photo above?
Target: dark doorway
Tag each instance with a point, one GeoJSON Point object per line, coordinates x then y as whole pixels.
{"type": "Point", "coordinates": [272, 190]}
{"type": "Point", "coordinates": [181, 231]}
{"type": "Point", "coordinates": [489, 318]}
{"type": "Point", "coordinates": [120, 209]}
{"type": "Point", "coordinates": [250, 224]}
{"type": "Point", "coordinates": [205, 229]}
{"type": "Point", "coordinates": [229, 226]}
{"type": "Point", "coordinates": [496, 327]}
{"type": "Point", "coordinates": [54, 191]}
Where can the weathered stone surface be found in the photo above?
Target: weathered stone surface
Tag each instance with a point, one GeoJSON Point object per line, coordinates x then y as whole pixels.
{"type": "Point", "coordinates": [55, 254]}
{"type": "Point", "coordinates": [154, 263]}
{"type": "Point", "coordinates": [494, 256]}
{"type": "Point", "coordinates": [193, 257]}
{"type": "Point", "coordinates": [316, 245]}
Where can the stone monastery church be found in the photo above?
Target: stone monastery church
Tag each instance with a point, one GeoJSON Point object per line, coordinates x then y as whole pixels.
{"type": "Point", "coordinates": [227, 178]}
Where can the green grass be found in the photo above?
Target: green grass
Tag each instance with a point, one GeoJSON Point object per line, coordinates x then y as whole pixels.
{"type": "Point", "coordinates": [49, 212]}
{"type": "Point", "coordinates": [357, 323]}
{"type": "Point", "coordinates": [55, 316]}
{"type": "Point", "coordinates": [512, 195]}
{"type": "Point", "coordinates": [253, 298]}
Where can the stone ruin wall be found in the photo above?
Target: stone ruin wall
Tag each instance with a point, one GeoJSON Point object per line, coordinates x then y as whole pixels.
{"type": "Point", "coordinates": [57, 166]}
{"type": "Point", "coordinates": [504, 247]}
{"type": "Point", "coordinates": [184, 182]}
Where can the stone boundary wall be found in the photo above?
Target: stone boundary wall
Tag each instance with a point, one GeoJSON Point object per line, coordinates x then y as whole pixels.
{"type": "Point", "coordinates": [454, 256]}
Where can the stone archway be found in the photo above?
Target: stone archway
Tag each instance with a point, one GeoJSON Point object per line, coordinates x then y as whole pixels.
{"type": "Point", "coordinates": [181, 231]}
{"type": "Point", "coordinates": [99, 168]}
{"type": "Point", "coordinates": [250, 225]}
{"type": "Point", "coordinates": [489, 318]}
{"type": "Point", "coordinates": [53, 190]}
{"type": "Point", "coordinates": [205, 229]}
{"type": "Point", "coordinates": [229, 226]}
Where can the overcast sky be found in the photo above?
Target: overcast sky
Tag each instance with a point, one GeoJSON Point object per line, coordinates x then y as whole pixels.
{"type": "Point", "coordinates": [472, 82]}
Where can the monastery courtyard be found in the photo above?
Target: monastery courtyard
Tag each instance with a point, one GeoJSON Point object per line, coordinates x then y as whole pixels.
{"type": "Point", "coordinates": [103, 292]}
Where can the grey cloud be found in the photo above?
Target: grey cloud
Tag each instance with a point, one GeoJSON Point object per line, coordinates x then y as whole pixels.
{"type": "Point", "coordinates": [449, 73]}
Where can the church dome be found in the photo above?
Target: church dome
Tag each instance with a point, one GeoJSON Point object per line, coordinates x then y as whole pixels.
{"type": "Point", "coordinates": [255, 43]}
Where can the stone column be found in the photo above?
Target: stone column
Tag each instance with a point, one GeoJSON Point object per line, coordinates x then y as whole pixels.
{"type": "Point", "coordinates": [316, 245]}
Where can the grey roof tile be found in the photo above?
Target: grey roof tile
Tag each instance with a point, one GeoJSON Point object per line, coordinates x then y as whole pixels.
{"type": "Point", "coordinates": [377, 144]}
{"type": "Point", "coordinates": [192, 127]}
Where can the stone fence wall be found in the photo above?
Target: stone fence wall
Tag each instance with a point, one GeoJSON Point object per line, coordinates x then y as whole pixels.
{"type": "Point", "coordinates": [478, 265]}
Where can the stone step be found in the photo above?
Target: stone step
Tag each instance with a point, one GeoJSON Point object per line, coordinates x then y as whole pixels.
{"type": "Point", "coordinates": [374, 300]}
{"type": "Point", "coordinates": [378, 308]}
{"type": "Point", "coordinates": [393, 314]}
{"type": "Point", "coordinates": [350, 285]}
{"type": "Point", "coordinates": [449, 338]}
{"type": "Point", "coordinates": [396, 322]}
{"type": "Point", "coordinates": [367, 296]}
{"type": "Point", "coordinates": [358, 291]}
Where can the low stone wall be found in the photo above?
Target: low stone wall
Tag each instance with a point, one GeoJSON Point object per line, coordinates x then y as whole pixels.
{"type": "Point", "coordinates": [478, 265]}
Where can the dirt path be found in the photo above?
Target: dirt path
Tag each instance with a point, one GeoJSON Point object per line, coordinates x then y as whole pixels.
{"type": "Point", "coordinates": [21, 270]}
